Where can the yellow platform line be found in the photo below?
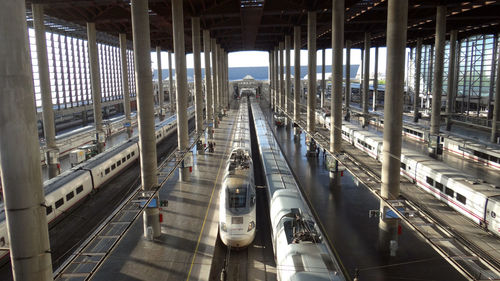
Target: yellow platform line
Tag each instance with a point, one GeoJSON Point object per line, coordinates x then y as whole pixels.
{"type": "Point", "coordinates": [209, 204]}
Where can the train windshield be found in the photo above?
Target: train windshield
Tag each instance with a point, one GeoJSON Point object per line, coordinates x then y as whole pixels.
{"type": "Point", "coordinates": [237, 197]}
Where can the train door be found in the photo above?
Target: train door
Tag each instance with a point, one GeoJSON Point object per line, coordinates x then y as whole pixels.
{"type": "Point", "coordinates": [493, 215]}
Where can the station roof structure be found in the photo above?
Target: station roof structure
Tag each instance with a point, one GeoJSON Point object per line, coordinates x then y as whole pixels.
{"type": "Point", "coordinates": [240, 25]}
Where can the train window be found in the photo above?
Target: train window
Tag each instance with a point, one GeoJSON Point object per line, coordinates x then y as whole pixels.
{"type": "Point", "coordinates": [493, 214]}
{"type": "Point", "coordinates": [403, 166]}
{"type": "Point", "coordinates": [113, 167]}
{"type": "Point", "coordinates": [48, 209]}
{"type": "Point", "coordinates": [107, 171]}
{"type": "Point", "coordinates": [133, 153]}
{"type": "Point", "coordinates": [79, 189]}
{"type": "Point", "coordinates": [493, 159]}
{"type": "Point", "coordinates": [461, 198]}
{"type": "Point", "coordinates": [124, 159]}
{"type": "Point", "coordinates": [70, 196]}
{"type": "Point", "coordinates": [59, 203]}
{"type": "Point", "coordinates": [118, 163]}
{"type": "Point", "coordinates": [430, 181]}
{"type": "Point", "coordinates": [439, 186]}
{"type": "Point", "coordinates": [2, 241]}
{"type": "Point", "coordinates": [128, 156]}
{"type": "Point", "coordinates": [449, 192]}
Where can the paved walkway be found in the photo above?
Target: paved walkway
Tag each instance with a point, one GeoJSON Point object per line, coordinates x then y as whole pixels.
{"type": "Point", "coordinates": [189, 229]}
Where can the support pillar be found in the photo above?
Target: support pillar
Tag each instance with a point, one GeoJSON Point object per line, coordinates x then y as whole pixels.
{"type": "Point", "coordinates": [452, 75]}
{"type": "Point", "coordinates": [397, 19]}
{"type": "Point", "coordinates": [271, 79]}
{"type": "Point", "coordinates": [375, 81]}
{"type": "Point", "coordinates": [348, 75]}
{"type": "Point", "coordinates": [95, 80]}
{"type": "Point", "coordinates": [49, 130]}
{"type": "Point", "coordinates": [215, 83]}
{"type": "Point", "coordinates": [288, 87]}
{"type": "Point", "coordinates": [366, 78]}
{"type": "Point", "coordinates": [20, 151]}
{"type": "Point", "coordinates": [198, 97]}
{"type": "Point", "coordinates": [311, 71]}
{"type": "Point", "coordinates": [181, 82]}
{"type": "Point", "coordinates": [323, 82]}
{"type": "Point", "coordinates": [418, 62]}
{"type": "Point", "coordinates": [126, 93]}
{"type": "Point", "coordinates": [496, 107]}
{"type": "Point", "coordinates": [437, 85]}
{"type": "Point", "coordinates": [220, 86]}
{"type": "Point", "coordinates": [276, 79]}
{"type": "Point", "coordinates": [281, 77]}
{"type": "Point", "coordinates": [296, 77]}
{"type": "Point", "coordinates": [208, 82]}
{"type": "Point", "coordinates": [161, 96]}
{"type": "Point", "coordinates": [171, 83]}
{"type": "Point", "coordinates": [337, 73]}
{"type": "Point", "coordinates": [145, 109]}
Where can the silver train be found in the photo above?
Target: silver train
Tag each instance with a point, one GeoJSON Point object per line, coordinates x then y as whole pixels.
{"type": "Point", "coordinates": [473, 198]}
{"type": "Point", "coordinates": [487, 154]}
{"type": "Point", "coordinates": [237, 215]}
{"type": "Point", "coordinates": [65, 191]}
{"type": "Point", "coordinates": [300, 249]}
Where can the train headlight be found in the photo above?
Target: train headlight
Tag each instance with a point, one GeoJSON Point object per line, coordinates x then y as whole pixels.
{"type": "Point", "coordinates": [251, 226]}
{"type": "Point", "coordinates": [223, 226]}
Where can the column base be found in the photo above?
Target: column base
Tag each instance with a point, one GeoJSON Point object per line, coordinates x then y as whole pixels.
{"type": "Point", "coordinates": [388, 236]}
{"type": "Point", "coordinates": [152, 228]}
{"type": "Point", "coordinates": [53, 170]}
{"type": "Point", "coordinates": [184, 174]}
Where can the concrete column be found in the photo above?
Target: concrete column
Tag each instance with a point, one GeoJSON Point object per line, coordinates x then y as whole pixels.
{"type": "Point", "coordinates": [198, 97]}
{"type": "Point", "coordinates": [418, 62]}
{"type": "Point", "coordinates": [348, 73]}
{"type": "Point", "coordinates": [296, 73]}
{"type": "Point", "coordinates": [181, 82]}
{"type": "Point", "coordinates": [49, 130]}
{"type": "Point", "coordinates": [452, 75]}
{"type": "Point", "coordinates": [437, 85]}
{"type": "Point", "coordinates": [26, 221]}
{"type": "Point", "coordinates": [276, 79]}
{"type": "Point", "coordinates": [161, 96]}
{"type": "Point", "coordinates": [226, 82]}
{"type": "Point", "coordinates": [145, 108]}
{"type": "Point", "coordinates": [271, 79]}
{"type": "Point", "coordinates": [397, 19]}
{"type": "Point", "coordinates": [323, 82]}
{"type": "Point", "coordinates": [220, 86]}
{"type": "Point", "coordinates": [171, 82]}
{"type": "Point", "coordinates": [496, 106]}
{"type": "Point", "coordinates": [288, 86]}
{"type": "Point", "coordinates": [337, 73]}
{"type": "Point", "coordinates": [208, 81]}
{"type": "Point", "coordinates": [366, 77]}
{"type": "Point", "coordinates": [375, 81]}
{"type": "Point", "coordinates": [281, 78]}
{"type": "Point", "coordinates": [215, 84]}
{"type": "Point", "coordinates": [126, 93]}
{"type": "Point", "coordinates": [95, 80]}
{"type": "Point", "coordinates": [311, 71]}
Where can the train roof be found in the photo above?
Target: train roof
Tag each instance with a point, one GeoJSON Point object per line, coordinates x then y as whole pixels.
{"type": "Point", "coordinates": [55, 183]}
{"type": "Point", "coordinates": [103, 157]}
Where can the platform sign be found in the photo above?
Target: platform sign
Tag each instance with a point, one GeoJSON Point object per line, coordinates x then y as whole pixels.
{"type": "Point", "coordinates": [126, 124]}
{"type": "Point", "coordinates": [188, 160]}
{"type": "Point", "coordinates": [152, 204]}
{"type": "Point", "coordinates": [390, 214]}
{"type": "Point", "coordinates": [210, 124]}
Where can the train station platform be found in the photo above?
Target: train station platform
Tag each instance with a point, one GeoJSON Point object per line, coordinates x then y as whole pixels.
{"type": "Point", "coordinates": [185, 249]}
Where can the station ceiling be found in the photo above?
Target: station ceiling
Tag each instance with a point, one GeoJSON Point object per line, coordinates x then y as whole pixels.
{"type": "Point", "coordinates": [240, 25]}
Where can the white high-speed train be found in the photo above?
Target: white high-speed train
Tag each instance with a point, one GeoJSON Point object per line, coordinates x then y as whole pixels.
{"type": "Point", "coordinates": [237, 215]}
{"type": "Point", "coordinates": [473, 198]}
{"type": "Point", "coordinates": [65, 191]}
{"type": "Point", "coordinates": [300, 250]}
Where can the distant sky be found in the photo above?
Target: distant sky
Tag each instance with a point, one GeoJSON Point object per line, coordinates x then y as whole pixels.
{"type": "Point", "coordinates": [258, 58]}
